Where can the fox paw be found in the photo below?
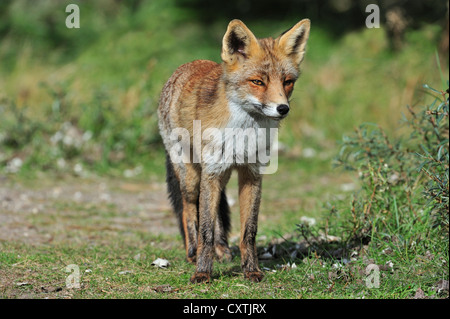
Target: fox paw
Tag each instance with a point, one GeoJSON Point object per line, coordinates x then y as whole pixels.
{"type": "Point", "coordinates": [200, 277]}
{"type": "Point", "coordinates": [191, 260]}
{"type": "Point", "coordinates": [223, 253]}
{"type": "Point", "coordinates": [254, 276]}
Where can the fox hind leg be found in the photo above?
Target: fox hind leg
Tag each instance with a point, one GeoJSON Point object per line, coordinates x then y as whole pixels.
{"type": "Point", "coordinates": [183, 182]}
{"type": "Point", "coordinates": [222, 229]}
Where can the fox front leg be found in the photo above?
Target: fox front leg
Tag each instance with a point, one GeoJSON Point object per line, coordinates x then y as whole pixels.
{"type": "Point", "coordinates": [249, 201]}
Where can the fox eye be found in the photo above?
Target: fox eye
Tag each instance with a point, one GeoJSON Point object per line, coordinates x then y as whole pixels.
{"type": "Point", "coordinates": [288, 82]}
{"type": "Point", "coordinates": [257, 82]}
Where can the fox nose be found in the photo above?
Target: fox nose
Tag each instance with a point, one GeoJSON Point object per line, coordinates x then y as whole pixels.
{"type": "Point", "coordinates": [283, 109]}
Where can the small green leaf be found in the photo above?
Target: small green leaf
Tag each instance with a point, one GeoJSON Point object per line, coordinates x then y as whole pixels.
{"type": "Point", "coordinates": [430, 88]}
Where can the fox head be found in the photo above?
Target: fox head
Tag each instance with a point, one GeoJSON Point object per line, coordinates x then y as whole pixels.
{"type": "Point", "coordinates": [261, 73]}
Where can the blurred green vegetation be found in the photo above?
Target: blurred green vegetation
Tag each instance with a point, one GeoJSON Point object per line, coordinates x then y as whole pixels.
{"type": "Point", "coordinates": [89, 96]}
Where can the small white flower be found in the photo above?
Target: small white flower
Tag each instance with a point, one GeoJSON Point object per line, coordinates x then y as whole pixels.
{"type": "Point", "coordinates": [337, 265]}
{"type": "Point", "coordinates": [310, 221]}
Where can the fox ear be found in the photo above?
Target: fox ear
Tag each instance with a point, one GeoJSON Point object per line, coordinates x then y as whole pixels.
{"type": "Point", "coordinates": [238, 42]}
{"type": "Point", "coordinates": [293, 41]}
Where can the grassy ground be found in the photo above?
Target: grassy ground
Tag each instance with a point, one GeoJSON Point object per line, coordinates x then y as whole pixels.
{"type": "Point", "coordinates": [82, 171]}
{"type": "Point", "coordinates": [113, 242]}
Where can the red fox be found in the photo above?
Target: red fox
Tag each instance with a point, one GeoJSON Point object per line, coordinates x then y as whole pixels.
{"type": "Point", "coordinates": [250, 89]}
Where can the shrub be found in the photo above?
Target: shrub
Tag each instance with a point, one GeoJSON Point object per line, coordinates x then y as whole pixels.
{"type": "Point", "coordinates": [431, 130]}
{"type": "Point", "coordinates": [404, 181]}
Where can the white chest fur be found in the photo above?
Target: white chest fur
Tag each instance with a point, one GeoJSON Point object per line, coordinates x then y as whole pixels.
{"type": "Point", "coordinates": [245, 140]}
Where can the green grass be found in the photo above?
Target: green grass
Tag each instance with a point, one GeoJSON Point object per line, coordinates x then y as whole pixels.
{"type": "Point", "coordinates": [115, 262]}
{"type": "Point", "coordinates": [122, 275]}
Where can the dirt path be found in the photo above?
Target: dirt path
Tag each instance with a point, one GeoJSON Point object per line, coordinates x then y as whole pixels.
{"type": "Point", "coordinates": [39, 211]}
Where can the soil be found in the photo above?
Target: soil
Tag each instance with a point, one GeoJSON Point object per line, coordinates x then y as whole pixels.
{"type": "Point", "coordinates": [134, 203]}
